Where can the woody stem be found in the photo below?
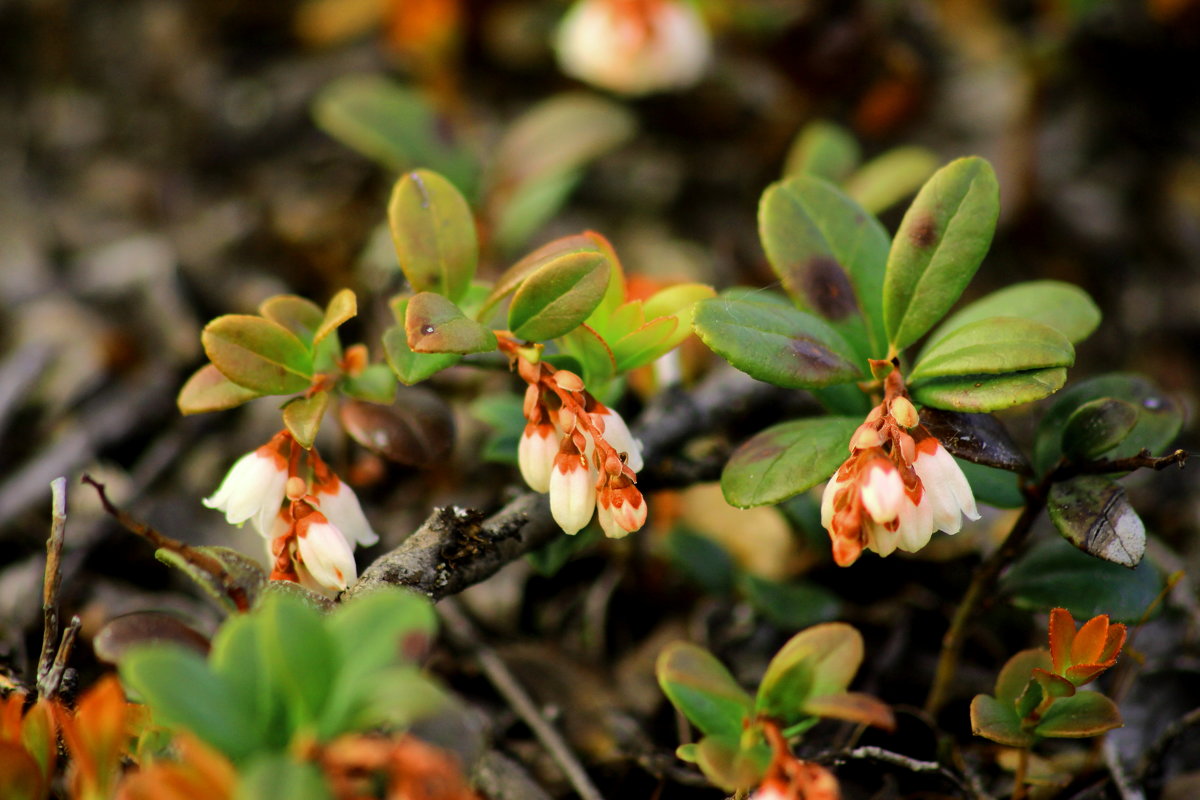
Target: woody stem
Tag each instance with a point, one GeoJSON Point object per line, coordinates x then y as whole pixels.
{"type": "Point", "coordinates": [981, 586]}
{"type": "Point", "coordinates": [1018, 792]}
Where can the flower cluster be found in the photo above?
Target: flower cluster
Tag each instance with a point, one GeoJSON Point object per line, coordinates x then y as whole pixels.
{"type": "Point", "coordinates": [898, 486]}
{"type": "Point", "coordinates": [578, 450]}
{"type": "Point", "coordinates": [310, 518]}
{"type": "Point", "coordinates": [634, 46]}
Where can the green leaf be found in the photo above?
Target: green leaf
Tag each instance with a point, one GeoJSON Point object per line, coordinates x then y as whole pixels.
{"type": "Point", "coordinates": [1016, 673]}
{"type": "Point", "coordinates": [999, 722]}
{"type": "Point", "coordinates": [778, 345]}
{"type": "Point", "coordinates": [434, 233]}
{"type": "Point", "coordinates": [397, 697]}
{"type": "Point", "coordinates": [278, 777]}
{"type": "Point", "coordinates": [730, 765]}
{"type": "Point", "coordinates": [411, 367]}
{"type": "Point", "coordinates": [395, 126]}
{"type": "Point", "coordinates": [700, 686]}
{"type": "Point", "coordinates": [702, 560]}
{"type": "Point", "coordinates": [996, 487]}
{"type": "Point", "coordinates": [236, 590]}
{"type": "Point", "coordinates": [182, 691]}
{"type": "Point", "coordinates": [302, 416]}
{"type": "Point", "coordinates": [235, 659]}
{"type": "Point", "coordinates": [994, 346]}
{"type": "Point", "coordinates": [823, 149]}
{"type": "Point", "coordinates": [1084, 714]}
{"type": "Point", "coordinates": [1093, 513]}
{"type": "Point", "coordinates": [375, 384]}
{"type": "Point", "coordinates": [502, 412]}
{"type": "Point", "coordinates": [830, 255]}
{"type": "Point", "coordinates": [816, 662]}
{"type": "Point", "coordinates": [342, 307]}
{"type": "Point", "coordinates": [1158, 423]}
{"type": "Point", "coordinates": [1098, 426]}
{"type": "Point", "coordinates": [1063, 306]}
{"type": "Point", "coordinates": [299, 655]}
{"type": "Point", "coordinates": [646, 343]}
{"type": "Point", "coordinates": [299, 315]}
{"type": "Point", "coordinates": [209, 390]}
{"type": "Point", "coordinates": [979, 393]}
{"type": "Point", "coordinates": [679, 303]}
{"type": "Point", "coordinates": [787, 459]}
{"type": "Point", "coordinates": [889, 178]}
{"type": "Point", "coordinates": [257, 354]}
{"type": "Point", "coordinates": [941, 241]}
{"type": "Point", "coordinates": [792, 604]}
{"type": "Point", "coordinates": [558, 296]}
{"type": "Point", "coordinates": [433, 324]}
{"type": "Point", "coordinates": [593, 354]}
{"type": "Point", "coordinates": [1054, 574]}
{"type": "Point", "coordinates": [530, 206]}
{"type": "Point", "coordinates": [588, 242]}
{"type": "Point", "coordinates": [856, 707]}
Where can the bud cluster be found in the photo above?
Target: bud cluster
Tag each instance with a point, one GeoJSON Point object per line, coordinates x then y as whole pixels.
{"type": "Point", "coordinates": [309, 517]}
{"type": "Point", "coordinates": [578, 450]}
{"type": "Point", "coordinates": [898, 486]}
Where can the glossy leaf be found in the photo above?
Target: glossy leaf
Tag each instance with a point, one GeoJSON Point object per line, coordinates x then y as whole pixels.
{"type": "Point", "coordinates": [593, 354]}
{"type": "Point", "coordinates": [209, 390]}
{"type": "Point", "coordinates": [417, 429]}
{"type": "Point", "coordinates": [1063, 306]}
{"type": "Point", "coordinates": [1093, 513]}
{"type": "Point", "coordinates": [992, 719]}
{"type": "Point", "coordinates": [1084, 714]}
{"type": "Point", "coordinates": [994, 346]}
{"type": "Point", "coordinates": [940, 243]}
{"type": "Point", "coordinates": [298, 314]}
{"type": "Point", "coordinates": [1097, 427]}
{"type": "Point", "coordinates": [645, 344]}
{"type": "Point", "coordinates": [558, 296]}
{"type": "Point", "coordinates": [996, 487]}
{"type": "Point", "coordinates": [816, 662]}
{"type": "Point", "coordinates": [977, 393]}
{"type": "Point", "coordinates": [1053, 573]}
{"type": "Point", "coordinates": [786, 459]}
{"type": "Point", "coordinates": [1158, 423]}
{"type": "Point", "coordinates": [822, 149]}
{"type": "Point", "coordinates": [678, 302]}
{"type": "Point", "coordinates": [700, 686]}
{"type": "Point", "coordinates": [375, 384]}
{"type": "Point", "coordinates": [890, 177]}
{"type": "Point", "coordinates": [434, 233]}
{"type": "Point", "coordinates": [182, 691]}
{"type": "Point", "coordinates": [830, 255]}
{"type": "Point", "coordinates": [303, 415]}
{"type": "Point", "coordinates": [393, 125]}
{"type": "Point", "coordinates": [588, 242]}
{"type": "Point", "coordinates": [342, 307]}
{"type": "Point", "coordinates": [434, 324]}
{"type": "Point", "coordinates": [411, 367]}
{"type": "Point", "coordinates": [258, 354]}
{"type": "Point", "coordinates": [979, 438]}
{"type": "Point", "coordinates": [775, 344]}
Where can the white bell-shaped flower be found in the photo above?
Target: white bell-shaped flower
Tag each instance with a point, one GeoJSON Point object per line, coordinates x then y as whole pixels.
{"type": "Point", "coordinates": [253, 489]}
{"type": "Point", "coordinates": [325, 553]}
{"type": "Point", "coordinates": [340, 506]}
{"type": "Point", "coordinates": [536, 453]}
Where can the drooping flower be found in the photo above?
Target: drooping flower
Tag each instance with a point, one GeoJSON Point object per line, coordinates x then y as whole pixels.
{"type": "Point", "coordinates": [572, 488]}
{"type": "Point", "coordinates": [325, 555]}
{"type": "Point", "coordinates": [898, 486]}
{"type": "Point", "coordinates": [536, 453]}
{"type": "Point", "coordinates": [617, 434]}
{"type": "Point", "coordinates": [254, 487]}
{"type": "Point", "coordinates": [620, 507]}
{"type": "Point", "coordinates": [634, 46]}
{"type": "Point", "coordinates": [340, 504]}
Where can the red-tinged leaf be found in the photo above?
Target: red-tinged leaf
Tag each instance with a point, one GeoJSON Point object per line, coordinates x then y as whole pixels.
{"type": "Point", "coordinates": [98, 734]}
{"type": "Point", "coordinates": [342, 307]}
{"type": "Point", "coordinates": [998, 721]}
{"type": "Point", "coordinates": [700, 686]}
{"type": "Point", "coordinates": [1085, 714]}
{"type": "Point", "coordinates": [417, 430]}
{"type": "Point", "coordinates": [145, 627]}
{"type": "Point", "coordinates": [209, 390]}
{"type": "Point", "coordinates": [258, 354]}
{"type": "Point", "coordinates": [39, 735]}
{"type": "Point", "coordinates": [816, 662]}
{"type": "Point", "coordinates": [1016, 673]}
{"type": "Point", "coordinates": [299, 315]}
{"type": "Point", "coordinates": [434, 234]}
{"type": "Point", "coordinates": [20, 775]}
{"type": "Point", "coordinates": [303, 415]}
{"type": "Point", "coordinates": [1090, 640]}
{"type": "Point", "coordinates": [1062, 634]}
{"type": "Point", "coordinates": [587, 242]}
{"type": "Point", "coordinates": [729, 766]}
{"type": "Point", "coordinates": [434, 324]}
{"type": "Point", "coordinates": [1053, 687]}
{"type": "Point", "coordinates": [854, 707]}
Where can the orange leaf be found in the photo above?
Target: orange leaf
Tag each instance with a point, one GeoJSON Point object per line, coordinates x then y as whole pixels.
{"type": "Point", "coordinates": [853, 706]}
{"type": "Point", "coordinates": [1062, 633]}
{"type": "Point", "coordinates": [1089, 641]}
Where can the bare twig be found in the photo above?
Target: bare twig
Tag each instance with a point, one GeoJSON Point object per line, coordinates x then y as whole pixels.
{"type": "Point", "coordinates": [462, 633]}
{"type": "Point", "coordinates": [52, 581]}
{"type": "Point", "coordinates": [1104, 466]}
{"type": "Point", "coordinates": [868, 753]}
{"type": "Point", "coordinates": [1121, 779]}
{"type": "Point", "coordinates": [54, 676]}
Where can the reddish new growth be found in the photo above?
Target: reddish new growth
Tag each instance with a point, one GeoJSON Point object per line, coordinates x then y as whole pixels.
{"type": "Point", "coordinates": [1080, 656]}
{"type": "Point", "coordinates": [897, 487]}
{"type": "Point", "coordinates": [789, 778]}
{"type": "Point", "coordinates": [576, 448]}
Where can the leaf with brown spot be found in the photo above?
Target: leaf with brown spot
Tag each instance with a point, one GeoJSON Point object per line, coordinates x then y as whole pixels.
{"type": "Point", "coordinates": [434, 324]}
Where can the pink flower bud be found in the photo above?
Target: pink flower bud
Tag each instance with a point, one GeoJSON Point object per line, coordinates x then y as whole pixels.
{"type": "Point", "coordinates": [882, 490]}
{"type": "Point", "coordinates": [620, 511]}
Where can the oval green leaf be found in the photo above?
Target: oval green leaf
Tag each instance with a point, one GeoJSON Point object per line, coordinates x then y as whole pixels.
{"type": "Point", "coordinates": [979, 393]}
{"type": "Point", "coordinates": [941, 241]}
{"type": "Point", "coordinates": [1097, 427]}
{"type": "Point", "coordinates": [816, 662]}
{"type": "Point", "coordinates": [411, 368]}
{"type": "Point", "coordinates": [299, 655]}
{"type": "Point", "coordinates": [342, 307]}
{"type": "Point", "coordinates": [823, 149]}
{"type": "Point", "coordinates": [993, 346]}
{"type": "Point", "coordinates": [257, 354]}
{"type": "Point", "coordinates": [1084, 714]}
{"type": "Point", "coordinates": [1063, 306]}
{"type": "Point", "coordinates": [434, 233]}
{"type": "Point", "coordinates": [830, 255]}
{"type": "Point", "coordinates": [299, 315]}
{"type": "Point", "coordinates": [700, 686]}
{"type": "Point", "coordinates": [209, 390]}
{"type": "Point", "coordinates": [786, 459]}
{"type": "Point", "coordinates": [999, 722]}
{"type": "Point", "coordinates": [302, 416]}
{"type": "Point", "coordinates": [776, 344]}
{"type": "Point", "coordinates": [433, 324]}
{"type": "Point", "coordinates": [559, 295]}
{"type": "Point", "coordinates": [646, 343]}
{"type": "Point", "coordinates": [1093, 513]}
{"type": "Point", "coordinates": [890, 177]}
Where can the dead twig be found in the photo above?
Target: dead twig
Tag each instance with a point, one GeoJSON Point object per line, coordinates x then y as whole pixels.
{"type": "Point", "coordinates": [52, 581]}
{"type": "Point", "coordinates": [462, 633]}
{"type": "Point", "coordinates": [868, 753]}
